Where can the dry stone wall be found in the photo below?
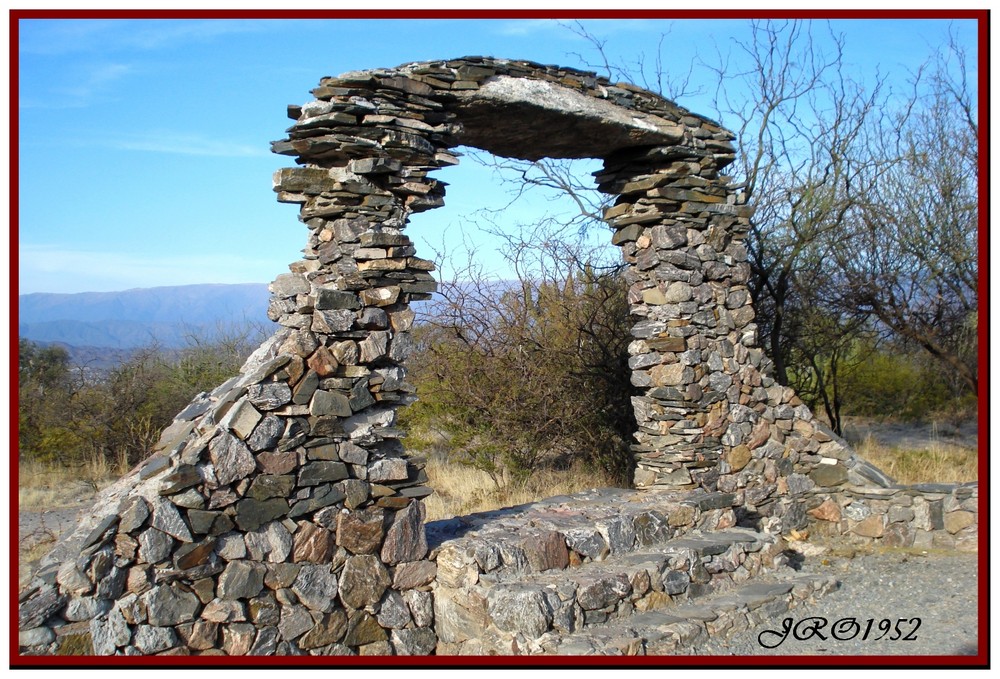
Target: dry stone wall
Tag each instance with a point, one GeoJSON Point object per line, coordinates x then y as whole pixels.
{"type": "Point", "coordinates": [922, 516]}
{"type": "Point", "coordinates": [280, 513]}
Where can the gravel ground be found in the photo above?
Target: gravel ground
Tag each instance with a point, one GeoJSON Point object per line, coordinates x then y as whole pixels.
{"type": "Point", "coordinates": [940, 589]}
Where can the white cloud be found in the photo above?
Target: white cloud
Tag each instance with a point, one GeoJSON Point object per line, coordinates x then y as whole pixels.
{"type": "Point", "coordinates": [61, 36]}
{"type": "Point", "coordinates": [85, 83]}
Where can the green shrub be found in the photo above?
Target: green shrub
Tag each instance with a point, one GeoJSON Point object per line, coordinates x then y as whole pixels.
{"type": "Point", "coordinates": [68, 416]}
{"type": "Point", "coordinates": [516, 376]}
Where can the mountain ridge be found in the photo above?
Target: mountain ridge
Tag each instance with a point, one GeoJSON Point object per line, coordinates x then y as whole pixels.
{"type": "Point", "coordinates": [166, 316]}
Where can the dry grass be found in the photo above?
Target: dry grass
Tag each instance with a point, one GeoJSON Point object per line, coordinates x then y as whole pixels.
{"type": "Point", "coordinates": [938, 462]}
{"type": "Point", "coordinates": [460, 489]}
{"type": "Point", "coordinates": [43, 486]}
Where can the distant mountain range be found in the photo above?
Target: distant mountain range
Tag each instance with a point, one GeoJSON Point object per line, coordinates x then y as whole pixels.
{"type": "Point", "coordinates": [165, 316]}
{"type": "Point", "coordinates": [102, 328]}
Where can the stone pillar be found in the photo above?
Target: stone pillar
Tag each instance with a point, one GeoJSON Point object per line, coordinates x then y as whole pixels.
{"type": "Point", "coordinates": [681, 229]}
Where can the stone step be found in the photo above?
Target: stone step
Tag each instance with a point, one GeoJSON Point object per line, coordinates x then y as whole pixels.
{"type": "Point", "coordinates": [680, 629]}
{"type": "Point", "coordinates": [568, 531]}
{"type": "Point", "coordinates": [511, 612]}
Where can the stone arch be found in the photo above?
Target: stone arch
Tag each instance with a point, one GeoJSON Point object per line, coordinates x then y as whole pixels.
{"type": "Point", "coordinates": [279, 513]}
{"type": "Point", "coordinates": [678, 220]}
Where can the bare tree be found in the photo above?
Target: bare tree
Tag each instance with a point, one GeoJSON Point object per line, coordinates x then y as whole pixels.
{"type": "Point", "coordinates": [524, 373]}
{"type": "Point", "coordinates": [911, 255]}
{"type": "Point", "coordinates": [800, 124]}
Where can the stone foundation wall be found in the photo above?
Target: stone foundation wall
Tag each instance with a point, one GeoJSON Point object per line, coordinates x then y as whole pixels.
{"type": "Point", "coordinates": [923, 516]}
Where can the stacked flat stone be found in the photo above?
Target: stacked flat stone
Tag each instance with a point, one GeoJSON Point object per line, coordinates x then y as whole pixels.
{"type": "Point", "coordinates": [278, 515]}
{"type": "Point", "coordinates": [922, 516]}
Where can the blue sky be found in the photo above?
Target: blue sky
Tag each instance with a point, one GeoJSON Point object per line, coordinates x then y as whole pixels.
{"type": "Point", "coordinates": [144, 145]}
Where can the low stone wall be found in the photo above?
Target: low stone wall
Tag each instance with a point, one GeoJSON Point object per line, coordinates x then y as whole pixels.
{"type": "Point", "coordinates": [923, 516]}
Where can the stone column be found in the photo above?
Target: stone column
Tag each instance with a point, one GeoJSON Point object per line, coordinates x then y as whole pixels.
{"type": "Point", "coordinates": [681, 227]}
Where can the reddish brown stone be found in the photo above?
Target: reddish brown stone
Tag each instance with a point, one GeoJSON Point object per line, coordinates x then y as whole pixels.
{"type": "Point", "coordinates": [759, 436]}
{"type": "Point", "coordinates": [295, 370]}
{"type": "Point", "coordinates": [126, 546]}
{"type": "Point", "coordinates": [322, 362]}
{"type": "Point", "coordinates": [195, 555]}
{"type": "Point", "coordinates": [238, 638]}
{"type": "Point", "coordinates": [405, 540]}
{"type": "Point", "coordinates": [546, 550]}
{"type": "Point", "coordinates": [898, 535]}
{"type": "Point", "coordinates": [361, 532]}
{"type": "Point", "coordinates": [200, 635]}
{"type": "Point", "coordinates": [394, 502]}
{"type": "Point", "coordinates": [313, 544]}
{"type": "Point", "coordinates": [277, 463]}
{"type": "Point", "coordinates": [871, 527]}
{"type": "Point", "coordinates": [413, 574]}
{"type": "Point", "coordinates": [827, 511]}
{"type": "Point", "coordinates": [138, 580]}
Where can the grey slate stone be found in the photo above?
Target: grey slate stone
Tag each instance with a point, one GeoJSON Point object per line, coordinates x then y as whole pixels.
{"type": "Point", "coordinates": [269, 395]}
{"type": "Point", "coordinates": [133, 513]}
{"type": "Point", "coordinates": [519, 608]}
{"type": "Point", "coordinates": [169, 606]}
{"type": "Point", "coordinates": [421, 606]}
{"type": "Point", "coordinates": [109, 633]}
{"type": "Point", "coordinates": [252, 514]}
{"type": "Point", "coordinates": [362, 581]}
{"type": "Point", "coordinates": [317, 473]}
{"type": "Point", "coordinates": [154, 546]}
{"type": "Point", "coordinates": [241, 580]}
{"type": "Point", "coordinates": [295, 621]}
{"type": "Point", "coordinates": [413, 641]}
{"type": "Point", "coordinates": [266, 434]}
{"type": "Point", "coordinates": [316, 587]}
{"type": "Point", "coordinates": [168, 519]}
{"type": "Point", "coordinates": [271, 542]}
{"type": "Point", "coordinates": [149, 640]}
{"type": "Point", "coordinates": [266, 642]}
{"type": "Point", "coordinates": [231, 458]}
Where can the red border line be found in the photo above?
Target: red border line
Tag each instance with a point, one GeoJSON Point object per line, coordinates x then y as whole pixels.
{"type": "Point", "coordinates": [980, 660]}
{"type": "Point", "coordinates": [500, 14]}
